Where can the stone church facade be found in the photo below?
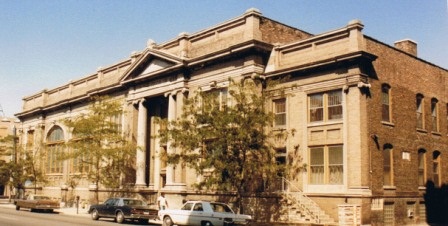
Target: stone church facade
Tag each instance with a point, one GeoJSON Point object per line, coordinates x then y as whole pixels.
{"type": "Point", "coordinates": [370, 119]}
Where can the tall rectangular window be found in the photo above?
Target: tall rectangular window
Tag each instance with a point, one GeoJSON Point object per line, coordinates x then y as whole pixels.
{"type": "Point", "coordinates": [325, 106]}
{"type": "Point", "coordinates": [280, 112]}
{"type": "Point", "coordinates": [419, 111]}
{"type": "Point", "coordinates": [385, 103]}
{"type": "Point", "coordinates": [436, 168]}
{"type": "Point", "coordinates": [335, 165]}
{"type": "Point", "coordinates": [388, 167]}
{"type": "Point", "coordinates": [421, 168]}
{"type": "Point", "coordinates": [434, 115]}
{"type": "Point", "coordinates": [317, 165]}
{"type": "Point", "coordinates": [30, 140]}
{"type": "Point", "coordinates": [316, 107]}
{"type": "Point", "coordinates": [326, 165]}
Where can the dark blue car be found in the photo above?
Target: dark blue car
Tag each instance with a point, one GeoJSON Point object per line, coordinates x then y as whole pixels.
{"type": "Point", "coordinates": [122, 209]}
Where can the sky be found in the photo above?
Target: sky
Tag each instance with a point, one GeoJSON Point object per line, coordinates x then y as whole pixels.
{"type": "Point", "coordinates": [46, 43]}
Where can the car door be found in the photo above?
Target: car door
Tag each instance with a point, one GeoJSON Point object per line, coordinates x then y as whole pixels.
{"type": "Point", "coordinates": [220, 213]}
{"type": "Point", "coordinates": [183, 216]}
{"type": "Point", "coordinates": [108, 208]}
{"type": "Point", "coordinates": [197, 215]}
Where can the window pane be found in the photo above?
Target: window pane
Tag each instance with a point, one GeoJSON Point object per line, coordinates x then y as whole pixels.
{"type": "Point", "coordinates": [336, 165]}
{"type": "Point", "coordinates": [421, 169]}
{"type": "Point", "coordinates": [317, 166]}
{"type": "Point", "coordinates": [434, 115]}
{"type": "Point", "coordinates": [316, 108]}
{"type": "Point", "coordinates": [335, 105]}
{"type": "Point", "coordinates": [419, 111]}
{"type": "Point", "coordinates": [280, 112]}
{"type": "Point", "coordinates": [385, 98]}
{"type": "Point", "coordinates": [387, 167]}
{"type": "Point", "coordinates": [435, 167]}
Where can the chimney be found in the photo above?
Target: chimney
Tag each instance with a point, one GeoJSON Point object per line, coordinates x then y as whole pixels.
{"type": "Point", "coordinates": [407, 45]}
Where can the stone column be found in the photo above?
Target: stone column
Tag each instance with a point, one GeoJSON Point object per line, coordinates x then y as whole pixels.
{"type": "Point", "coordinates": [141, 144]}
{"type": "Point", "coordinates": [170, 150]}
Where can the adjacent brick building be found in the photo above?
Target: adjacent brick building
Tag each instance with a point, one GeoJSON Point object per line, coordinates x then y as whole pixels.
{"type": "Point", "coordinates": [370, 119]}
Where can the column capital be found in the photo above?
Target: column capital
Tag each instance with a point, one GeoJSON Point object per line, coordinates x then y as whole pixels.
{"type": "Point", "coordinates": [174, 92]}
{"type": "Point", "coordinates": [138, 101]}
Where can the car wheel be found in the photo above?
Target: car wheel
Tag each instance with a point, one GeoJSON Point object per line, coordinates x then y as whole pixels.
{"type": "Point", "coordinates": [167, 221]}
{"type": "Point", "coordinates": [119, 217]}
{"type": "Point", "coordinates": [17, 207]}
{"type": "Point", "coordinates": [206, 223]}
{"type": "Point", "coordinates": [95, 215]}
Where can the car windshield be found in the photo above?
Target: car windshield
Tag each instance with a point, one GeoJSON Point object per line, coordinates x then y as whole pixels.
{"type": "Point", "coordinates": [221, 208]}
{"type": "Point", "coordinates": [133, 202]}
{"type": "Point", "coordinates": [187, 206]}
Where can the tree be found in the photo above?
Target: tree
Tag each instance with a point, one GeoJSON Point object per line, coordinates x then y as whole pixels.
{"type": "Point", "coordinates": [23, 166]}
{"type": "Point", "coordinates": [99, 146]}
{"type": "Point", "coordinates": [31, 165]}
{"type": "Point", "coordinates": [225, 140]}
{"type": "Point", "coordinates": [11, 172]}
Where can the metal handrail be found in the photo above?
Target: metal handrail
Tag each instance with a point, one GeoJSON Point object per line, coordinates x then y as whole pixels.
{"type": "Point", "coordinates": [308, 199]}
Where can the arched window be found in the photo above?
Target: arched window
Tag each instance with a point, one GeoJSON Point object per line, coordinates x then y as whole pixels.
{"type": "Point", "coordinates": [385, 103]}
{"type": "Point", "coordinates": [55, 144]}
{"type": "Point", "coordinates": [388, 169]}
{"type": "Point", "coordinates": [421, 167]}
{"type": "Point", "coordinates": [436, 168]}
{"type": "Point", "coordinates": [420, 111]}
{"type": "Point", "coordinates": [434, 115]}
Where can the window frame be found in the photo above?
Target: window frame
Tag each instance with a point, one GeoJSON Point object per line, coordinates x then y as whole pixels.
{"type": "Point", "coordinates": [434, 115]}
{"type": "Point", "coordinates": [388, 151]}
{"type": "Point", "coordinates": [386, 107]}
{"type": "Point", "coordinates": [436, 168]}
{"type": "Point", "coordinates": [222, 97]}
{"type": "Point", "coordinates": [325, 165]}
{"type": "Point", "coordinates": [276, 103]}
{"type": "Point", "coordinates": [324, 109]}
{"type": "Point", "coordinates": [420, 111]}
{"type": "Point", "coordinates": [55, 147]}
{"type": "Point", "coordinates": [422, 168]}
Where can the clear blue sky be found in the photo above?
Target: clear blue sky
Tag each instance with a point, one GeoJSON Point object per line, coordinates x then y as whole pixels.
{"type": "Point", "coordinates": [46, 43]}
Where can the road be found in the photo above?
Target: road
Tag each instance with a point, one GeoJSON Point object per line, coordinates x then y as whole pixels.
{"type": "Point", "coordinates": [11, 217]}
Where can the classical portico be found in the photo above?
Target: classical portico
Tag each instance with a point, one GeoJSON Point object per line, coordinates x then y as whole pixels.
{"type": "Point", "coordinates": [151, 172]}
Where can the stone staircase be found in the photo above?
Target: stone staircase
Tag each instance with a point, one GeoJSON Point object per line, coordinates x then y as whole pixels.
{"type": "Point", "coordinates": [299, 208]}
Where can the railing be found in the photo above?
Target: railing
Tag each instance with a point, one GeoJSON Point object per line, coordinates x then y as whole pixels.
{"type": "Point", "coordinates": [315, 212]}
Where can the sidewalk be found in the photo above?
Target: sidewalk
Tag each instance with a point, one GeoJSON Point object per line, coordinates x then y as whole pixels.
{"type": "Point", "coordinates": [4, 203]}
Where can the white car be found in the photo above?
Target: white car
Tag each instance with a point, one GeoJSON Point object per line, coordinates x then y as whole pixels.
{"type": "Point", "coordinates": [203, 213]}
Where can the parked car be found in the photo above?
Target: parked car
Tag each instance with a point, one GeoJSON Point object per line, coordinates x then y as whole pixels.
{"type": "Point", "coordinates": [37, 202]}
{"type": "Point", "coordinates": [203, 213]}
{"type": "Point", "coordinates": [122, 209]}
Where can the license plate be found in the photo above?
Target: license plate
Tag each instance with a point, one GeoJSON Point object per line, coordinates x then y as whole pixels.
{"type": "Point", "coordinates": [146, 212]}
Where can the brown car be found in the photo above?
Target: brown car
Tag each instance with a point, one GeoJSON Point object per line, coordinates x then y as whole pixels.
{"type": "Point", "coordinates": [37, 202]}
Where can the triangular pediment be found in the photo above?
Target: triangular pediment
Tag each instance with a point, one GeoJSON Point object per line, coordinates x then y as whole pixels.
{"type": "Point", "coordinates": [155, 65]}
{"type": "Point", "coordinates": [151, 63]}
